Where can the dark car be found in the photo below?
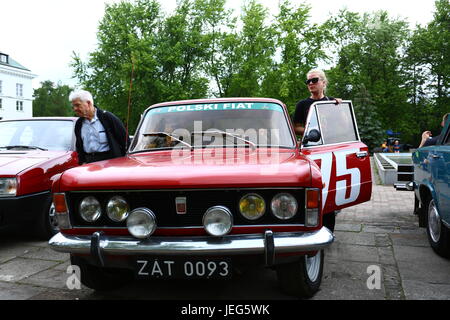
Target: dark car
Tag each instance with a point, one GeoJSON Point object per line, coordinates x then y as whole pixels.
{"type": "Point", "coordinates": [210, 186]}
{"type": "Point", "coordinates": [32, 151]}
{"type": "Point", "coordinates": [432, 191]}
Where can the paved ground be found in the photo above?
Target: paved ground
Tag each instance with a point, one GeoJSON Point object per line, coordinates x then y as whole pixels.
{"type": "Point", "coordinates": [380, 235]}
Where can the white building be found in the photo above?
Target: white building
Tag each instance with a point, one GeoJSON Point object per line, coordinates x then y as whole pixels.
{"type": "Point", "coordinates": [16, 91]}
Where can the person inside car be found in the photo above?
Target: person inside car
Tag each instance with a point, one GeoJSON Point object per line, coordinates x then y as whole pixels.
{"type": "Point", "coordinates": [427, 139]}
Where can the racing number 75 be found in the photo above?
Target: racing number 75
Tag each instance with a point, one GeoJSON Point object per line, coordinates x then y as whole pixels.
{"type": "Point", "coordinates": [326, 165]}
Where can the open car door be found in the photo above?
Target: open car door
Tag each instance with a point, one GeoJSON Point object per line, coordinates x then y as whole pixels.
{"type": "Point", "coordinates": [342, 157]}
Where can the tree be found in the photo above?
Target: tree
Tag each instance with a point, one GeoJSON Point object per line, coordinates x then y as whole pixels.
{"type": "Point", "coordinates": [369, 126]}
{"type": "Point", "coordinates": [428, 63]}
{"type": "Point", "coordinates": [300, 45]}
{"type": "Point", "coordinates": [52, 100]}
{"type": "Point", "coordinates": [253, 53]}
{"type": "Point", "coordinates": [372, 56]}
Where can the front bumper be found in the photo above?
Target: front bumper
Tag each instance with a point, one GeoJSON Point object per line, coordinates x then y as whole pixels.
{"type": "Point", "coordinates": [22, 209]}
{"type": "Point", "coordinates": [268, 244]}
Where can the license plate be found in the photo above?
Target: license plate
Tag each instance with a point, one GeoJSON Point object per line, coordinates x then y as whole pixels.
{"type": "Point", "coordinates": [183, 268]}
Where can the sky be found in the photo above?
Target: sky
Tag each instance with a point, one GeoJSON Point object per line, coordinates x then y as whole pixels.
{"type": "Point", "coordinates": [43, 34]}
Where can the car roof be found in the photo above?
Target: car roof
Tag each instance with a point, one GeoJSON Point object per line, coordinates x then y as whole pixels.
{"type": "Point", "coordinates": [41, 118]}
{"type": "Point", "coordinates": [215, 100]}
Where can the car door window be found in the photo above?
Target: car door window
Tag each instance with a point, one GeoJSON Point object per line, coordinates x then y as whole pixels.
{"type": "Point", "coordinates": [336, 123]}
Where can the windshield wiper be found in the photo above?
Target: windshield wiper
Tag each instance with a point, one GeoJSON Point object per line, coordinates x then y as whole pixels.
{"type": "Point", "coordinates": [227, 134]}
{"type": "Point", "coordinates": [163, 135]}
{"type": "Point", "coordinates": [24, 147]}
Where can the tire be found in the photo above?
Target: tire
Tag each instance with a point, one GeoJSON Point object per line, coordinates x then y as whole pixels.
{"type": "Point", "coordinates": [302, 278]}
{"type": "Point", "coordinates": [98, 278]}
{"type": "Point", "coordinates": [438, 233]}
{"type": "Point", "coordinates": [329, 220]}
{"type": "Point", "coordinates": [47, 225]}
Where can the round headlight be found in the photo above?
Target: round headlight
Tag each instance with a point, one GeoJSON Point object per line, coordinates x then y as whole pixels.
{"type": "Point", "coordinates": [117, 209]}
{"type": "Point", "coordinates": [90, 209]}
{"type": "Point", "coordinates": [284, 206]}
{"type": "Point", "coordinates": [252, 206]}
{"type": "Point", "coordinates": [141, 223]}
{"type": "Point", "coordinates": [218, 221]}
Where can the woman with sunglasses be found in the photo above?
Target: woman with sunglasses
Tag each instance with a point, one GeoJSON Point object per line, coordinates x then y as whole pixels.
{"type": "Point", "coordinates": [317, 83]}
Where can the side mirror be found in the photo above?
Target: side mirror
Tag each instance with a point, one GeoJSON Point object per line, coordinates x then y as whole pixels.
{"type": "Point", "coordinates": [313, 136]}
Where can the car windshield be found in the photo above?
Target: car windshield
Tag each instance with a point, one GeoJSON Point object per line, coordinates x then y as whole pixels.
{"type": "Point", "coordinates": [36, 134]}
{"type": "Point", "coordinates": [243, 124]}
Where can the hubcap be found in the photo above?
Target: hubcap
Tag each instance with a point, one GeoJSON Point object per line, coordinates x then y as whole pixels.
{"type": "Point", "coordinates": [313, 266]}
{"type": "Point", "coordinates": [434, 222]}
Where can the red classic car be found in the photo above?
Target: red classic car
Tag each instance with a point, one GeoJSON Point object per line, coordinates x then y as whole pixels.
{"type": "Point", "coordinates": [32, 151]}
{"type": "Point", "coordinates": [210, 186]}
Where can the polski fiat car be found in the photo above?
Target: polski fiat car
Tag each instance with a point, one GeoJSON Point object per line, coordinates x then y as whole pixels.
{"type": "Point", "coordinates": [32, 151]}
{"type": "Point", "coordinates": [212, 186]}
{"type": "Point", "coordinates": [431, 187]}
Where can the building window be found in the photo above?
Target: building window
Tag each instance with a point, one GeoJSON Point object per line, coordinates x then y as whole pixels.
{"type": "Point", "coordinates": [19, 89]}
{"type": "Point", "coordinates": [3, 58]}
{"type": "Point", "coordinates": [1, 104]}
{"type": "Point", "coordinates": [19, 105]}
{"type": "Point", "coordinates": [1, 86]}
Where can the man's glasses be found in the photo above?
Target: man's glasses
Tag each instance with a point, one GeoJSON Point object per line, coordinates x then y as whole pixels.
{"type": "Point", "coordinates": [312, 80]}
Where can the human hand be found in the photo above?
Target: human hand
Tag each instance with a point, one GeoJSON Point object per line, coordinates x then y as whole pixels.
{"type": "Point", "coordinates": [426, 135]}
{"type": "Point", "coordinates": [338, 100]}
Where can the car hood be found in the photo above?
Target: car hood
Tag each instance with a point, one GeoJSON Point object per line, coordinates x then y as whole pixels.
{"type": "Point", "coordinates": [14, 162]}
{"type": "Point", "coordinates": [205, 168]}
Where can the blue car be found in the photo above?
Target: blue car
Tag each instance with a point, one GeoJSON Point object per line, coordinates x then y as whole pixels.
{"type": "Point", "coordinates": [432, 191]}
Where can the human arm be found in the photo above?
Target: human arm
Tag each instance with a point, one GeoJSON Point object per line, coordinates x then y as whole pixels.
{"type": "Point", "coordinates": [425, 136]}
{"type": "Point", "coordinates": [299, 129]}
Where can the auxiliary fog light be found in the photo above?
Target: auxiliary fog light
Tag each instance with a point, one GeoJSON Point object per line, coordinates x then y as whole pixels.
{"type": "Point", "coordinates": [90, 209]}
{"type": "Point", "coordinates": [117, 209]}
{"type": "Point", "coordinates": [284, 206]}
{"type": "Point", "coordinates": [141, 223]}
{"type": "Point", "coordinates": [252, 206]}
{"type": "Point", "coordinates": [218, 221]}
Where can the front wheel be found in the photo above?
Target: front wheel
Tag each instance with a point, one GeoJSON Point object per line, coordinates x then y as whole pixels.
{"type": "Point", "coordinates": [302, 278]}
{"type": "Point", "coordinates": [47, 225]}
{"type": "Point", "coordinates": [438, 233]}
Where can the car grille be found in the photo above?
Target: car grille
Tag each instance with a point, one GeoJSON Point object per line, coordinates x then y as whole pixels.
{"type": "Point", "coordinates": [162, 203]}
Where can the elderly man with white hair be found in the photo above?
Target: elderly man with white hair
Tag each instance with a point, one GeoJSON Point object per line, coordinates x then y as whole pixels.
{"type": "Point", "coordinates": [100, 134]}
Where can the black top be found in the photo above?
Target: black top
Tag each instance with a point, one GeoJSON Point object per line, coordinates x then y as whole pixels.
{"type": "Point", "coordinates": [302, 108]}
{"type": "Point", "coordinates": [431, 141]}
{"type": "Point", "coordinates": [118, 139]}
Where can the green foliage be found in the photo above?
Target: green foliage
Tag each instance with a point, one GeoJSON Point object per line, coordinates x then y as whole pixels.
{"type": "Point", "coordinates": [52, 100]}
{"type": "Point", "coordinates": [397, 77]}
{"type": "Point", "coordinates": [368, 123]}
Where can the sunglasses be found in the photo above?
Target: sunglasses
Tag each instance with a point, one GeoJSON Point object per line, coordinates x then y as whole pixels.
{"type": "Point", "coordinates": [312, 80]}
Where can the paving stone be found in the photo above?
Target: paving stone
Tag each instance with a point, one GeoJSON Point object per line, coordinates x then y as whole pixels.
{"type": "Point", "coordinates": [422, 264]}
{"type": "Point", "coordinates": [419, 290]}
{"type": "Point", "coordinates": [345, 252]}
{"type": "Point", "coordinates": [50, 278]}
{"type": "Point", "coordinates": [363, 239]}
{"type": "Point", "coordinates": [45, 253]}
{"type": "Point", "coordinates": [14, 291]}
{"type": "Point", "coordinates": [20, 268]}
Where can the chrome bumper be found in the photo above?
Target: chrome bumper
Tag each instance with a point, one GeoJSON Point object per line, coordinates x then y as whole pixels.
{"type": "Point", "coordinates": [268, 243]}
